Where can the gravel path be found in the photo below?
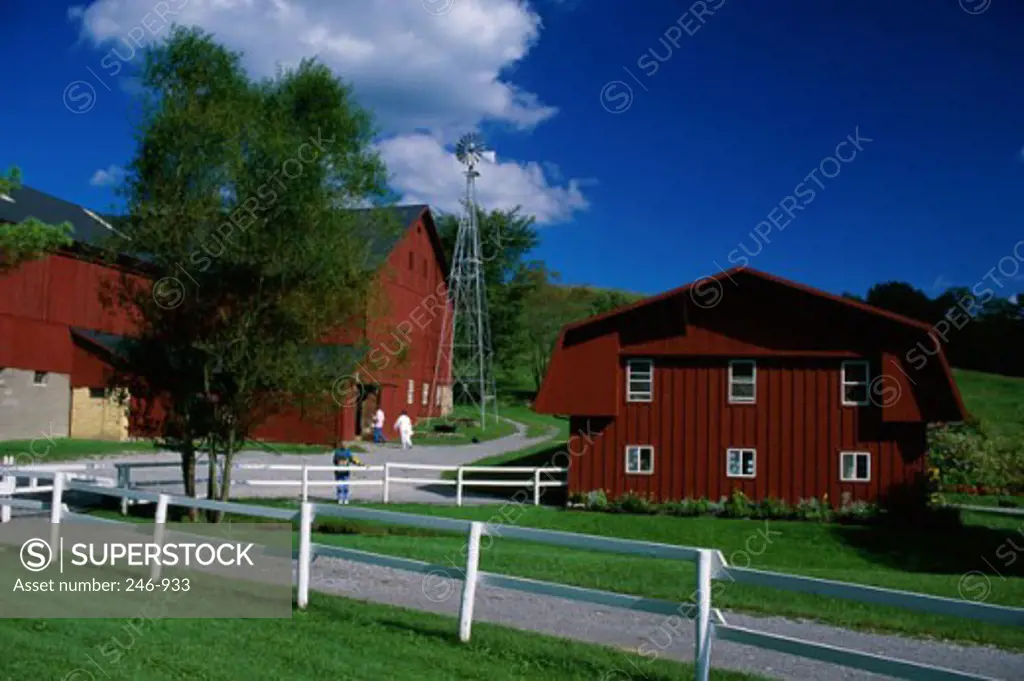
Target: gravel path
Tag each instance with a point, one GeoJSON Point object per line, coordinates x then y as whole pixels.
{"type": "Point", "coordinates": [168, 479]}
{"type": "Point", "coordinates": [629, 630]}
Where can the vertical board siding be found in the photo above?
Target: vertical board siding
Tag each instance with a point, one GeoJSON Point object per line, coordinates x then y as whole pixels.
{"type": "Point", "coordinates": [798, 427]}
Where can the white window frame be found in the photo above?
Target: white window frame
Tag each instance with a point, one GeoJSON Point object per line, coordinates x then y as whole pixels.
{"type": "Point", "coordinates": [410, 395]}
{"type": "Point", "coordinates": [40, 378]}
{"type": "Point", "coordinates": [740, 451]}
{"type": "Point", "coordinates": [639, 396]}
{"type": "Point", "coordinates": [437, 396]}
{"type": "Point", "coordinates": [866, 383]}
{"type": "Point", "coordinates": [742, 381]}
{"type": "Point", "coordinates": [425, 399]}
{"type": "Point", "coordinates": [842, 475]}
{"type": "Point", "coordinates": [639, 472]}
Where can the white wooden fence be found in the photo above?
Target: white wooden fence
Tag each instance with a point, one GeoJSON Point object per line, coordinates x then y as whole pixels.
{"type": "Point", "coordinates": [298, 476]}
{"type": "Point", "coordinates": [709, 623]}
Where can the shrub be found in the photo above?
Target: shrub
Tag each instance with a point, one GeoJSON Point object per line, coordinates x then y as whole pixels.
{"type": "Point", "coordinates": [969, 459]}
{"type": "Point", "coordinates": [632, 502]}
{"type": "Point", "coordinates": [771, 508]}
{"type": "Point", "coordinates": [737, 506]}
{"type": "Point", "coordinates": [813, 509]}
{"type": "Point", "coordinates": [597, 500]}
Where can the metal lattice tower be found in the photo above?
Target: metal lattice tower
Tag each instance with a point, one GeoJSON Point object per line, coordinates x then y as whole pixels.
{"type": "Point", "coordinates": [465, 359]}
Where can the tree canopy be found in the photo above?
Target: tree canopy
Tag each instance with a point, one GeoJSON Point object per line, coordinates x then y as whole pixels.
{"type": "Point", "coordinates": [237, 201]}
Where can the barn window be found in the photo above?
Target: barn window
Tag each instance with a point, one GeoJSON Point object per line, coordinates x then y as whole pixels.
{"type": "Point", "coordinates": [854, 466]}
{"type": "Point", "coordinates": [410, 395]}
{"type": "Point", "coordinates": [437, 396]}
{"type": "Point", "coordinates": [425, 399]}
{"type": "Point", "coordinates": [39, 378]}
{"type": "Point", "coordinates": [98, 393]}
{"type": "Point", "coordinates": [639, 380]}
{"type": "Point", "coordinates": [639, 459]}
{"type": "Point", "coordinates": [741, 463]}
{"type": "Point", "coordinates": [854, 376]}
{"type": "Point", "coordinates": [742, 381]}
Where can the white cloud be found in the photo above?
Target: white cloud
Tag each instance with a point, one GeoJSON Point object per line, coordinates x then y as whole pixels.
{"type": "Point", "coordinates": [426, 172]}
{"type": "Point", "coordinates": [105, 177]}
{"type": "Point", "coordinates": [443, 72]}
{"type": "Point", "coordinates": [415, 68]}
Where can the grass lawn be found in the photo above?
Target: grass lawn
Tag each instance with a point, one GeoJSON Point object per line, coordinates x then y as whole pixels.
{"type": "Point", "coordinates": [998, 400]}
{"type": "Point", "coordinates": [42, 450]}
{"type": "Point", "coordinates": [335, 638]}
{"type": "Point", "coordinates": [464, 433]}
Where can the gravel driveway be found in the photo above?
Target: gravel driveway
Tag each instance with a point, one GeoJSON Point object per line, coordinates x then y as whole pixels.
{"type": "Point", "coordinates": [628, 630]}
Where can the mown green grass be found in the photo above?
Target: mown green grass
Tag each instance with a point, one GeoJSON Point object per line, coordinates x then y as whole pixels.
{"type": "Point", "coordinates": [334, 638]}
{"type": "Point", "coordinates": [464, 433]}
{"type": "Point", "coordinates": [43, 450]}
{"type": "Point", "coordinates": [997, 400]}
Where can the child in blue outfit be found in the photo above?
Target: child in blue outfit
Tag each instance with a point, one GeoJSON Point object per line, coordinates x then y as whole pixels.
{"type": "Point", "coordinates": [343, 457]}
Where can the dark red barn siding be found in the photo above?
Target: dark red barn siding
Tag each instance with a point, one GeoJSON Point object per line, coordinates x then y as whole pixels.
{"type": "Point", "coordinates": [798, 424]}
{"type": "Point", "coordinates": [798, 427]}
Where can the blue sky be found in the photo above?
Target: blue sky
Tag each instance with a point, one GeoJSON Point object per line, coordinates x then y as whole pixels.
{"type": "Point", "coordinates": [651, 142]}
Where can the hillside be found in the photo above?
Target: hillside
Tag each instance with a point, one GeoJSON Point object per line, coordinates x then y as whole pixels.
{"type": "Point", "coordinates": [997, 400]}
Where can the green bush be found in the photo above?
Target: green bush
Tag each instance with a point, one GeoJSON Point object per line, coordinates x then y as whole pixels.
{"type": "Point", "coordinates": [737, 506]}
{"type": "Point", "coordinates": [597, 500]}
{"type": "Point", "coordinates": [970, 459]}
{"type": "Point", "coordinates": [632, 502]}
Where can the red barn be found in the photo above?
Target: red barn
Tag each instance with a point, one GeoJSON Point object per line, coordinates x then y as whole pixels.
{"type": "Point", "coordinates": [746, 381]}
{"type": "Point", "coordinates": [57, 341]}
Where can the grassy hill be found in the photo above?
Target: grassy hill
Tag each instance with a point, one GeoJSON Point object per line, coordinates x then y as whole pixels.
{"type": "Point", "coordinates": [997, 400]}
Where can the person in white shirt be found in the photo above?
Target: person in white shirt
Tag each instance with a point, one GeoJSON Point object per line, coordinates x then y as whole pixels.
{"type": "Point", "coordinates": [378, 426]}
{"type": "Point", "coordinates": [404, 427]}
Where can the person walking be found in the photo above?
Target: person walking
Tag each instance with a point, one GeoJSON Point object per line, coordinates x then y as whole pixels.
{"type": "Point", "coordinates": [343, 456]}
{"type": "Point", "coordinates": [404, 427]}
{"type": "Point", "coordinates": [378, 426]}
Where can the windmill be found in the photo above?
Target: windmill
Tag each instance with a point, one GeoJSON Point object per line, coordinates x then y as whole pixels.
{"type": "Point", "coordinates": [465, 359]}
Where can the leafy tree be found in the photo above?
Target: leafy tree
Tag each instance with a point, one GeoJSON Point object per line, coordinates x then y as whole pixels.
{"type": "Point", "coordinates": [237, 196]}
{"type": "Point", "coordinates": [904, 299]}
{"type": "Point", "coordinates": [548, 307]}
{"type": "Point", "coordinates": [29, 239]}
{"type": "Point", "coordinates": [606, 300]}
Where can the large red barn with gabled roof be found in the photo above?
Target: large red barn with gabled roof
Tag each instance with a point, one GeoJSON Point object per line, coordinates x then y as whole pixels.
{"type": "Point", "coordinates": [58, 342]}
{"type": "Point", "coordinates": [746, 381]}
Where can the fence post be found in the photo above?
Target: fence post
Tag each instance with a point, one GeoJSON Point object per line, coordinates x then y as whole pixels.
{"type": "Point", "coordinates": [159, 527]}
{"type": "Point", "coordinates": [305, 484]}
{"type": "Point", "coordinates": [7, 485]}
{"type": "Point", "coordinates": [56, 509]}
{"type": "Point", "coordinates": [387, 481]}
{"type": "Point", "coordinates": [536, 487]}
{"type": "Point", "coordinates": [702, 639]}
{"type": "Point", "coordinates": [123, 477]}
{"type": "Point", "coordinates": [469, 584]}
{"type": "Point", "coordinates": [458, 487]}
{"type": "Point", "coordinates": [305, 552]}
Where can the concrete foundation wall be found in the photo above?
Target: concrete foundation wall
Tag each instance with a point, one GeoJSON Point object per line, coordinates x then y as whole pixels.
{"type": "Point", "coordinates": [29, 411]}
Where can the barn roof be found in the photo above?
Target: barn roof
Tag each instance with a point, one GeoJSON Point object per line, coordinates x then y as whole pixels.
{"type": "Point", "coordinates": [581, 377]}
{"type": "Point", "coordinates": [93, 229]}
{"type": "Point", "coordinates": [749, 271]}
{"type": "Point", "coordinates": [25, 202]}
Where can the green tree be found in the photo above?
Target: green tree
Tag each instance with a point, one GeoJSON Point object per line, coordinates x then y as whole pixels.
{"type": "Point", "coordinates": [29, 239]}
{"type": "Point", "coordinates": [606, 300]}
{"type": "Point", "coordinates": [237, 199]}
{"type": "Point", "coordinates": [548, 307]}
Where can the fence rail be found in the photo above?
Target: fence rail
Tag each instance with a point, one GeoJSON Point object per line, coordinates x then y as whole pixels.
{"type": "Point", "coordinates": [709, 623]}
{"type": "Point", "coordinates": [539, 478]}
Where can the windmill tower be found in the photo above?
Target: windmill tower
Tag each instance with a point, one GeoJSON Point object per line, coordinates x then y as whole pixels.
{"type": "Point", "coordinates": [465, 359]}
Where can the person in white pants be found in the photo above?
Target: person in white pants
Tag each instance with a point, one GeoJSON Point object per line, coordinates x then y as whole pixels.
{"type": "Point", "coordinates": [404, 427]}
